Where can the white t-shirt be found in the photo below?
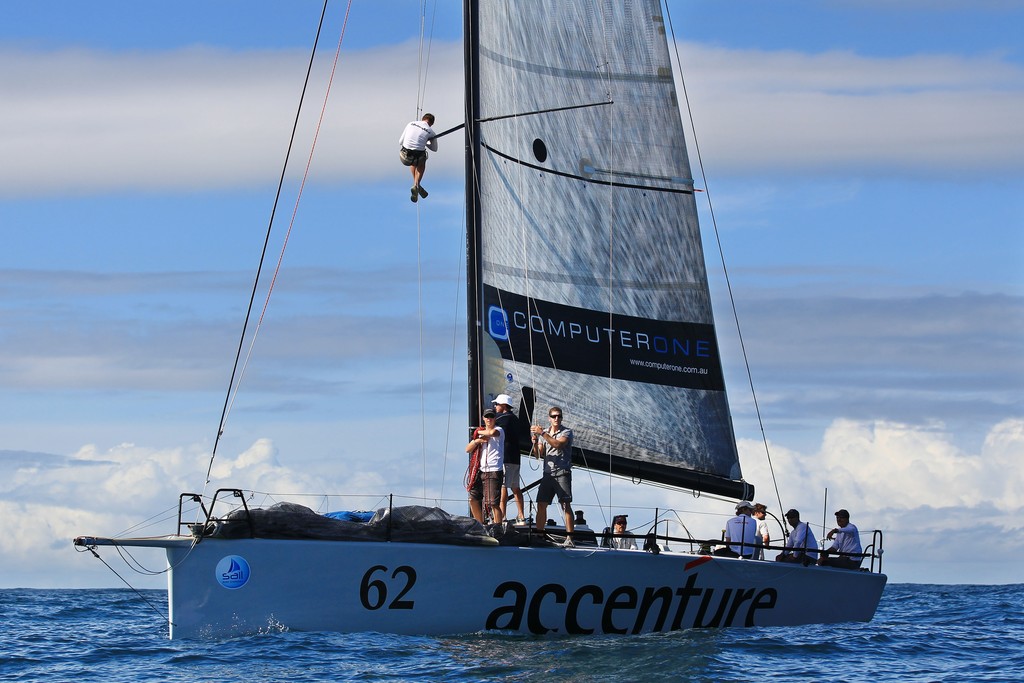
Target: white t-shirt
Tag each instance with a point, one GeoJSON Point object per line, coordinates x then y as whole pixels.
{"type": "Point", "coordinates": [762, 531]}
{"type": "Point", "coordinates": [492, 453]}
{"type": "Point", "coordinates": [418, 135]}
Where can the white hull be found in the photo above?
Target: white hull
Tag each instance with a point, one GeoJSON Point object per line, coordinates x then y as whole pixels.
{"type": "Point", "coordinates": [410, 588]}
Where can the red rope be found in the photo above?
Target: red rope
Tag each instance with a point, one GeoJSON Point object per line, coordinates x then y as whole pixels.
{"type": "Point", "coordinates": [234, 385]}
{"type": "Point", "coordinates": [309, 159]}
{"type": "Point", "coordinates": [473, 469]}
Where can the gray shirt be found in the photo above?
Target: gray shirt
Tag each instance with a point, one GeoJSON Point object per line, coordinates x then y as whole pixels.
{"type": "Point", "coordinates": [558, 460]}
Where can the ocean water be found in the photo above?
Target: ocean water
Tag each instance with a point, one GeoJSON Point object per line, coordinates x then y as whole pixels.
{"type": "Point", "coordinates": [920, 633]}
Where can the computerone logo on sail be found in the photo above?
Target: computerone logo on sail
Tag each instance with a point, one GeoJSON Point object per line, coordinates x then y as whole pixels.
{"type": "Point", "coordinates": [497, 323]}
{"type": "Point", "coordinates": [232, 572]}
{"type": "Point", "coordinates": [583, 340]}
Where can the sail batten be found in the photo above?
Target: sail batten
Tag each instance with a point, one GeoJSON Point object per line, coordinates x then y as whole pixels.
{"type": "Point", "coordinates": [586, 174]}
{"type": "Point", "coordinates": [589, 289]}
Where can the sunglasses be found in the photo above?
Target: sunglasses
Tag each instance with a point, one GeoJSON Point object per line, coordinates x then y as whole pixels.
{"type": "Point", "coordinates": [555, 416]}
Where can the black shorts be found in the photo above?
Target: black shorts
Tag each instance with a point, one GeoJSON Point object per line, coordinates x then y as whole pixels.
{"type": "Point", "coordinates": [487, 488]}
{"type": "Point", "coordinates": [557, 484]}
{"type": "Point", "coordinates": [841, 561]}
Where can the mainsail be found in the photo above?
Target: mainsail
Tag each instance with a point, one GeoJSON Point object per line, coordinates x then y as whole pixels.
{"type": "Point", "coordinates": [587, 280]}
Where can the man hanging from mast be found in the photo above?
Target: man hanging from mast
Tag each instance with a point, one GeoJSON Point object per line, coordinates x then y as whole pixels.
{"type": "Point", "coordinates": [416, 139]}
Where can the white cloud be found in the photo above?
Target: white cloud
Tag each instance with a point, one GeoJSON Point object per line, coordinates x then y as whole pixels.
{"type": "Point", "coordinates": [878, 466]}
{"type": "Point", "coordinates": [836, 111]}
{"type": "Point", "coordinates": [257, 468]}
{"type": "Point", "coordinates": [928, 496]}
{"type": "Point", "coordinates": [46, 501]}
{"type": "Point", "coordinates": [932, 499]}
{"type": "Point", "coordinates": [89, 121]}
{"type": "Point", "coordinates": [198, 118]}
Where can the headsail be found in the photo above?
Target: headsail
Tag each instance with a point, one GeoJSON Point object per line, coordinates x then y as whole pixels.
{"type": "Point", "coordinates": [587, 280]}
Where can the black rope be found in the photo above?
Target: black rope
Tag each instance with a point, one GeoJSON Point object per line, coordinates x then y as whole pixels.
{"type": "Point", "coordinates": [527, 113]}
{"type": "Point", "coordinates": [450, 130]}
{"type": "Point", "coordinates": [725, 270]}
{"type": "Point", "coordinates": [266, 243]}
{"type": "Point", "coordinates": [95, 554]}
{"type": "Point", "coordinates": [137, 566]}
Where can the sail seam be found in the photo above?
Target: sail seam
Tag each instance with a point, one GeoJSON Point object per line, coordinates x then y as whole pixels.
{"type": "Point", "coordinates": [593, 281]}
{"type": "Point", "coordinates": [574, 74]}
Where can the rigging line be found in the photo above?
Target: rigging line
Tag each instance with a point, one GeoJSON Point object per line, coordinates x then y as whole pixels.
{"type": "Point", "coordinates": [523, 231]}
{"type": "Point", "coordinates": [721, 253]}
{"type": "Point", "coordinates": [132, 563]}
{"type": "Point", "coordinates": [525, 113]}
{"type": "Point", "coordinates": [419, 63]}
{"type": "Point", "coordinates": [138, 568]}
{"type": "Point", "coordinates": [523, 237]}
{"type": "Point", "coordinates": [298, 199]}
{"type": "Point", "coordinates": [460, 257]}
{"type": "Point", "coordinates": [421, 88]}
{"type": "Point", "coordinates": [135, 590]}
{"type": "Point", "coordinates": [605, 70]}
{"type": "Point", "coordinates": [240, 372]}
{"type": "Point", "coordinates": [419, 264]}
{"type": "Point", "coordinates": [153, 520]}
{"type": "Point", "coordinates": [423, 67]}
{"type": "Point", "coordinates": [266, 244]}
{"type": "Point", "coordinates": [544, 111]}
{"type": "Point", "coordinates": [450, 130]}
{"type": "Point", "coordinates": [419, 306]}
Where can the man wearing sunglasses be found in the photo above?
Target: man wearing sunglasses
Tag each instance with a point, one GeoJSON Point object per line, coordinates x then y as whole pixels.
{"type": "Point", "coordinates": [554, 445]}
{"type": "Point", "coordinates": [485, 494]}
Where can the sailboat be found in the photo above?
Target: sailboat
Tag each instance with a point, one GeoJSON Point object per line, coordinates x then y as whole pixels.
{"type": "Point", "coordinates": [586, 288]}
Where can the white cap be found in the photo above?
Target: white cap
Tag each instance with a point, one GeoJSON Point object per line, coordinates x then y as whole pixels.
{"type": "Point", "coordinates": [502, 399]}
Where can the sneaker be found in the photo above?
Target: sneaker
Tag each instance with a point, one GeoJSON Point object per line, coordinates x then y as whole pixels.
{"type": "Point", "coordinates": [413, 196]}
{"type": "Point", "coordinates": [567, 543]}
{"type": "Point", "coordinates": [520, 520]}
{"type": "Point", "coordinates": [423, 193]}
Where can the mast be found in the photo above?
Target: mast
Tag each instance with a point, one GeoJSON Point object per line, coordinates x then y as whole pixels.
{"type": "Point", "coordinates": [474, 326]}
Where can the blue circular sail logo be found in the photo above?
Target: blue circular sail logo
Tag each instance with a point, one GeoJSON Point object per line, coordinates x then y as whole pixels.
{"type": "Point", "coordinates": [233, 572]}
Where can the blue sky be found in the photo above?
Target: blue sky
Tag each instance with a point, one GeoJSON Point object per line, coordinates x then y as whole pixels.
{"type": "Point", "coordinates": [866, 166]}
